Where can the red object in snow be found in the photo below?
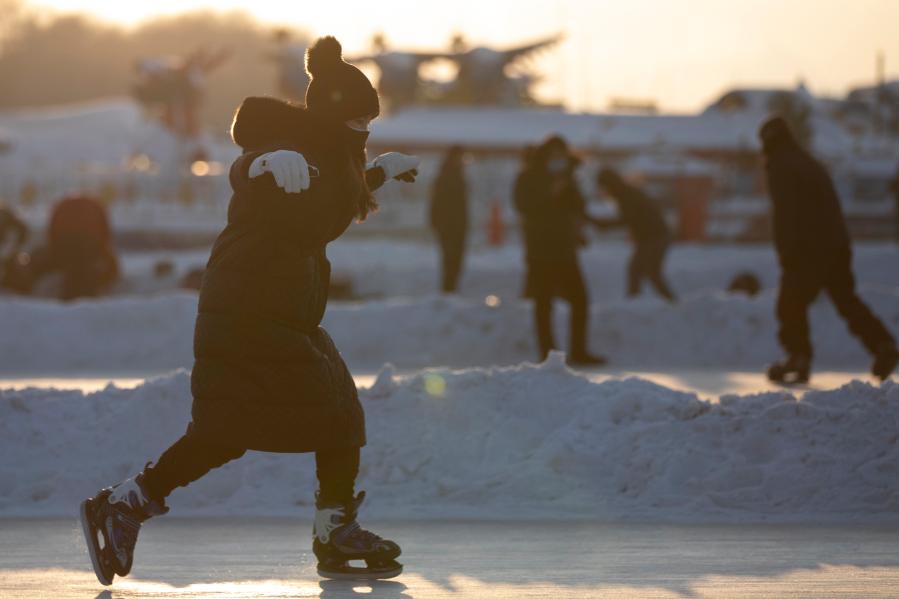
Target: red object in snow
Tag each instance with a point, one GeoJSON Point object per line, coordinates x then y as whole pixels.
{"type": "Point", "coordinates": [496, 228]}
{"type": "Point", "coordinates": [693, 195]}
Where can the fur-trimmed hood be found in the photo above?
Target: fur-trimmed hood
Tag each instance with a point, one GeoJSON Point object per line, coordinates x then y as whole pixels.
{"type": "Point", "coordinates": [263, 121]}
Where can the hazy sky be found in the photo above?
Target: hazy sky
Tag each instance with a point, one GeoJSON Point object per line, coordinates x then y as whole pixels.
{"type": "Point", "coordinates": [682, 53]}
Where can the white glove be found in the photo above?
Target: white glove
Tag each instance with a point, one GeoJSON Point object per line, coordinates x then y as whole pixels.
{"type": "Point", "coordinates": [395, 164]}
{"type": "Point", "coordinates": [290, 169]}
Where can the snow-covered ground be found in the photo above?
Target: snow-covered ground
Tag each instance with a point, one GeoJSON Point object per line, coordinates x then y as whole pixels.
{"type": "Point", "coordinates": [525, 441]}
{"type": "Point", "coordinates": [391, 268]}
{"type": "Point", "coordinates": [151, 332]}
{"type": "Point", "coordinates": [140, 335]}
{"type": "Point", "coordinates": [271, 558]}
{"type": "Point", "coordinates": [486, 441]}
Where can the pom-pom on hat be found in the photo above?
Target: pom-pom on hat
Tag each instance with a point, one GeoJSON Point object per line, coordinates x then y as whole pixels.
{"type": "Point", "coordinates": [337, 88]}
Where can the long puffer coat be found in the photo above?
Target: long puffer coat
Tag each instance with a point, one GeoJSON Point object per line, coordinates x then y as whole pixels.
{"type": "Point", "coordinates": [266, 375]}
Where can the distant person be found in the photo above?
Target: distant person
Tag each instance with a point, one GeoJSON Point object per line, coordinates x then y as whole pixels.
{"type": "Point", "coordinates": [894, 188]}
{"type": "Point", "coordinates": [80, 248]}
{"type": "Point", "coordinates": [815, 255]}
{"type": "Point", "coordinates": [552, 213]}
{"type": "Point", "coordinates": [266, 375]}
{"type": "Point", "coordinates": [13, 233]}
{"type": "Point", "coordinates": [648, 231]}
{"type": "Point", "coordinates": [449, 216]}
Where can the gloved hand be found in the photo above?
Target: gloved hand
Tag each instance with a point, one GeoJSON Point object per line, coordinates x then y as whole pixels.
{"type": "Point", "coordinates": [290, 169]}
{"type": "Point", "coordinates": [398, 166]}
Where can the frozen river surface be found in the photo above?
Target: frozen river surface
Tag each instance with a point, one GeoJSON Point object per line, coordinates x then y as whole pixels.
{"type": "Point", "coordinates": [262, 557]}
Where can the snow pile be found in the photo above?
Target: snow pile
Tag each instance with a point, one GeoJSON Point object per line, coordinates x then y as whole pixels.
{"type": "Point", "coordinates": [505, 442]}
{"type": "Point", "coordinates": [134, 336]}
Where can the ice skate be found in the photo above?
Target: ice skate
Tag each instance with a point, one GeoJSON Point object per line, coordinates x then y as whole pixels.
{"type": "Point", "coordinates": [885, 360]}
{"type": "Point", "coordinates": [795, 370]}
{"type": "Point", "coordinates": [338, 539]}
{"type": "Point", "coordinates": [111, 522]}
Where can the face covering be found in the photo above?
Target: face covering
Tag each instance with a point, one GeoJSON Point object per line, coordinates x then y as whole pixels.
{"type": "Point", "coordinates": [557, 165]}
{"type": "Point", "coordinates": [355, 139]}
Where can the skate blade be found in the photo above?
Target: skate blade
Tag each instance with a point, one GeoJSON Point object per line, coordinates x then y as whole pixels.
{"type": "Point", "coordinates": [91, 540]}
{"type": "Point", "coordinates": [354, 573]}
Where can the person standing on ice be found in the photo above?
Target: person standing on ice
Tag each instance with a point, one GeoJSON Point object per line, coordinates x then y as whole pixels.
{"type": "Point", "coordinates": [815, 255]}
{"type": "Point", "coordinates": [648, 230]}
{"type": "Point", "coordinates": [449, 216]}
{"type": "Point", "coordinates": [266, 376]}
{"type": "Point", "coordinates": [552, 212]}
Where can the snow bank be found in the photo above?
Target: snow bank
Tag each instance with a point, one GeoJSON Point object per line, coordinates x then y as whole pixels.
{"type": "Point", "coordinates": [390, 268]}
{"type": "Point", "coordinates": [526, 441]}
{"type": "Point", "coordinates": [134, 336]}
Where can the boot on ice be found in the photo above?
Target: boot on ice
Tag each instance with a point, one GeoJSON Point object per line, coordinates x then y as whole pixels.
{"type": "Point", "coordinates": [338, 538]}
{"type": "Point", "coordinates": [795, 370]}
{"type": "Point", "coordinates": [885, 360]}
{"type": "Point", "coordinates": [111, 522]}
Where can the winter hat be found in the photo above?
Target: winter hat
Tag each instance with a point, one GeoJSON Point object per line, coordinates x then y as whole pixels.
{"type": "Point", "coordinates": [337, 88]}
{"type": "Point", "coordinates": [261, 121]}
{"type": "Point", "coordinates": [775, 132]}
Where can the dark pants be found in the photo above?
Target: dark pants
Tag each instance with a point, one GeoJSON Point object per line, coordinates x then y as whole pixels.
{"type": "Point", "coordinates": [799, 289]}
{"type": "Point", "coordinates": [646, 263]}
{"type": "Point", "coordinates": [191, 457]}
{"type": "Point", "coordinates": [559, 279]}
{"type": "Point", "coordinates": [452, 254]}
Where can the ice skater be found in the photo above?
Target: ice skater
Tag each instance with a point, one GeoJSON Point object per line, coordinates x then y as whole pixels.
{"type": "Point", "coordinates": [553, 213]}
{"type": "Point", "coordinates": [648, 230]}
{"type": "Point", "coordinates": [449, 216]}
{"type": "Point", "coordinates": [266, 376]}
{"type": "Point", "coordinates": [815, 255]}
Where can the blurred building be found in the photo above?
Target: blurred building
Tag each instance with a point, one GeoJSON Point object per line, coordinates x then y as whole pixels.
{"type": "Point", "coordinates": [713, 154]}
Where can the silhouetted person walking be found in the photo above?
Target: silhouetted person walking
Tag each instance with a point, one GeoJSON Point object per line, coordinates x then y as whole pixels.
{"type": "Point", "coordinates": [552, 213]}
{"type": "Point", "coordinates": [815, 255]}
{"type": "Point", "coordinates": [648, 230]}
{"type": "Point", "coordinates": [449, 216]}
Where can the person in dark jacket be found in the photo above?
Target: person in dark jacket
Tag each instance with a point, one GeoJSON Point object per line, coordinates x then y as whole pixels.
{"type": "Point", "coordinates": [80, 247]}
{"type": "Point", "coordinates": [815, 255]}
{"type": "Point", "coordinates": [552, 212]}
{"type": "Point", "coordinates": [648, 230]}
{"type": "Point", "coordinates": [266, 375]}
{"type": "Point", "coordinates": [449, 216]}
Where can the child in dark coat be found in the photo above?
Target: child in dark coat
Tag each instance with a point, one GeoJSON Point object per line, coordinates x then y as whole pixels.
{"type": "Point", "coordinates": [266, 375]}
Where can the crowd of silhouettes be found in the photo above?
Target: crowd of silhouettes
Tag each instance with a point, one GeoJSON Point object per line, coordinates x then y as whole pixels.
{"type": "Point", "coordinates": [809, 230]}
